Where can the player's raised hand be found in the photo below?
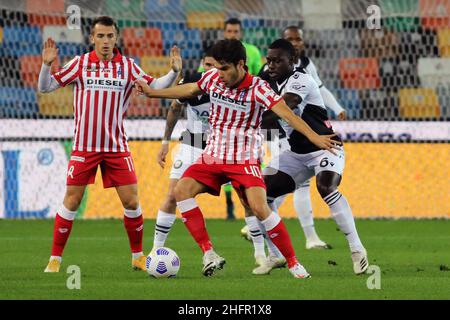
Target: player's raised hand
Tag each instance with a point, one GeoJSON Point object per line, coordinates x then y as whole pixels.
{"type": "Point", "coordinates": [161, 157]}
{"type": "Point", "coordinates": [49, 52]}
{"type": "Point", "coordinates": [176, 63]}
{"type": "Point", "coordinates": [327, 143]}
{"type": "Point", "coordinates": [341, 116]}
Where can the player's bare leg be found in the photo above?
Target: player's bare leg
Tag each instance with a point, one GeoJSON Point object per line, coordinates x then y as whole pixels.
{"type": "Point", "coordinates": [133, 222]}
{"type": "Point", "coordinates": [63, 225]}
{"type": "Point", "coordinates": [166, 216]}
{"type": "Point", "coordinates": [327, 184]}
{"type": "Point", "coordinates": [274, 226]}
{"type": "Point", "coordinates": [185, 192]}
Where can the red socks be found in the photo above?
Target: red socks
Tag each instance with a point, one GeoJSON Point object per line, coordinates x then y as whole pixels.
{"type": "Point", "coordinates": [135, 231]}
{"type": "Point", "coordinates": [61, 232]}
{"type": "Point", "coordinates": [193, 220]}
{"type": "Point", "coordinates": [280, 237]}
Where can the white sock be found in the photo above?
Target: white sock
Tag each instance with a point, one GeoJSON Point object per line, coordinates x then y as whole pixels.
{"type": "Point", "coordinates": [257, 235]}
{"type": "Point", "coordinates": [56, 257]}
{"type": "Point", "coordinates": [136, 255]}
{"type": "Point", "coordinates": [278, 202]}
{"type": "Point", "coordinates": [302, 205]}
{"type": "Point", "coordinates": [164, 222]}
{"type": "Point", "coordinates": [342, 214]}
{"type": "Point", "coordinates": [271, 247]}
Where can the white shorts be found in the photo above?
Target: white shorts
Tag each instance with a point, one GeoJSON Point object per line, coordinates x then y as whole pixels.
{"type": "Point", "coordinates": [302, 167]}
{"type": "Point", "coordinates": [183, 158]}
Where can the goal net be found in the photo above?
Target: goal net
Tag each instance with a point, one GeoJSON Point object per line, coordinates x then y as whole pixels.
{"type": "Point", "coordinates": [387, 62]}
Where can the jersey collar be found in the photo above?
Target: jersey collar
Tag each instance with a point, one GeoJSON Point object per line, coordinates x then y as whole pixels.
{"type": "Point", "coordinates": [247, 81]}
{"type": "Point", "coordinates": [117, 57]}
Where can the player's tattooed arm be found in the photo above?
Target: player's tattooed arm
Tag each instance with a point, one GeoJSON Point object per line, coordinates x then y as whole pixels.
{"type": "Point", "coordinates": [322, 141]}
{"type": "Point", "coordinates": [188, 90]}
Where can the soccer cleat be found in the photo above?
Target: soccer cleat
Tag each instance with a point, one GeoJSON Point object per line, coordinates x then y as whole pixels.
{"type": "Point", "coordinates": [271, 263]}
{"type": "Point", "coordinates": [246, 233]}
{"type": "Point", "coordinates": [262, 266]}
{"type": "Point", "coordinates": [316, 244]}
{"type": "Point", "coordinates": [212, 262]}
{"type": "Point", "coordinates": [53, 266]}
{"type": "Point", "coordinates": [139, 263]}
{"type": "Point", "coordinates": [360, 261]}
{"type": "Point", "coordinates": [299, 271]}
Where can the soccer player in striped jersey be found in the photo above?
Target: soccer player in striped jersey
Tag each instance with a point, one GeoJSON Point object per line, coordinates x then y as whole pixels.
{"type": "Point", "coordinates": [192, 144]}
{"type": "Point", "coordinates": [233, 149]}
{"type": "Point", "coordinates": [302, 197]}
{"type": "Point", "coordinates": [103, 81]}
{"type": "Point", "coordinates": [303, 160]}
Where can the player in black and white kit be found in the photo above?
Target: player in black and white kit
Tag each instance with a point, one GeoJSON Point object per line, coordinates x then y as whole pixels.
{"type": "Point", "coordinates": [278, 143]}
{"type": "Point", "coordinates": [293, 167]}
{"type": "Point", "coordinates": [193, 141]}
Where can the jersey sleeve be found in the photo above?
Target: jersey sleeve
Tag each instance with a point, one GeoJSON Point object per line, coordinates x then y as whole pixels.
{"type": "Point", "coordinates": [299, 84]}
{"type": "Point", "coordinates": [206, 80]}
{"type": "Point", "coordinates": [312, 70]}
{"type": "Point", "coordinates": [265, 96]}
{"type": "Point", "coordinates": [68, 73]}
{"type": "Point", "coordinates": [137, 73]}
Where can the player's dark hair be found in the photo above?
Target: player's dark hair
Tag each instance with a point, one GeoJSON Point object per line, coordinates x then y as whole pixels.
{"type": "Point", "coordinates": [104, 21]}
{"type": "Point", "coordinates": [229, 51]}
{"type": "Point", "coordinates": [233, 21]}
{"type": "Point", "coordinates": [284, 45]}
{"type": "Point", "coordinates": [291, 27]}
{"type": "Point", "coordinates": [208, 51]}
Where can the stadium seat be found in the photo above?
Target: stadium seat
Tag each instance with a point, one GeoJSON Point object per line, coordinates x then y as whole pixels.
{"type": "Point", "coordinates": [30, 66]}
{"type": "Point", "coordinates": [132, 10]}
{"type": "Point", "coordinates": [236, 8]}
{"type": "Point", "coordinates": [398, 72]}
{"type": "Point", "coordinates": [1, 35]}
{"type": "Point", "coordinates": [359, 73]}
{"type": "Point", "coordinates": [322, 14]}
{"type": "Point", "coordinates": [379, 104]}
{"type": "Point", "coordinates": [10, 72]}
{"type": "Point", "coordinates": [56, 103]}
{"type": "Point", "coordinates": [434, 13]}
{"type": "Point", "coordinates": [379, 43]}
{"type": "Point", "coordinates": [205, 20]}
{"type": "Point", "coordinates": [62, 34]}
{"type": "Point", "coordinates": [19, 41]}
{"type": "Point", "coordinates": [419, 103]}
{"type": "Point", "coordinates": [201, 5]}
{"type": "Point", "coordinates": [261, 37]}
{"type": "Point", "coordinates": [18, 103]}
{"type": "Point", "coordinates": [141, 106]}
{"type": "Point", "coordinates": [46, 12]}
{"type": "Point", "coordinates": [189, 41]}
{"type": "Point", "coordinates": [443, 36]}
{"type": "Point", "coordinates": [167, 10]}
{"type": "Point", "coordinates": [434, 71]}
{"type": "Point", "coordinates": [418, 43]}
{"type": "Point", "coordinates": [332, 44]}
{"type": "Point", "coordinates": [443, 92]}
{"type": "Point", "coordinates": [349, 99]}
{"type": "Point", "coordinates": [142, 41]}
{"type": "Point", "coordinates": [210, 36]}
{"type": "Point", "coordinates": [155, 66]}
{"type": "Point", "coordinates": [395, 10]}
{"type": "Point", "coordinates": [167, 25]}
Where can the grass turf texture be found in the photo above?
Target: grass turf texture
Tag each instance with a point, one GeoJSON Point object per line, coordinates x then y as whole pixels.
{"type": "Point", "coordinates": [413, 255]}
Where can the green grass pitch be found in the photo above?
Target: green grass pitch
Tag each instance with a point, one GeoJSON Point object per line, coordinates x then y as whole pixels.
{"type": "Point", "coordinates": [413, 256]}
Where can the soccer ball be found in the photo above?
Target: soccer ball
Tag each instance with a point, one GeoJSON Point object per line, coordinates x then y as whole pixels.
{"type": "Point", "coordinates": [162, 263]}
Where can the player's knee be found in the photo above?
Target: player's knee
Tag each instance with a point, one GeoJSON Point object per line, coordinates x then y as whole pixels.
{"type": "Point", "coordinates": [181, 193]}
{"type": "Point", "coordinates": [325, 189]}
{"type": "Point", "coordinates": [72, 201]}
{"type": "Point", "coordinates": [259, 209]}
{"type": "Point", "coordinates": [131, 203]}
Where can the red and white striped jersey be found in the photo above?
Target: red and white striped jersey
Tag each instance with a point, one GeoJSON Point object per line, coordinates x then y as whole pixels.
{"type": "Point", "coordinates": [101, 95]}
{"type": "Point", "coordinates": [235, 116]}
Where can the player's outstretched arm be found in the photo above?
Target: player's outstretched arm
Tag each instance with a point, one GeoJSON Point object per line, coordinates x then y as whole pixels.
{"type": "Point", "coordinates": [188, 90]}
{"type": "Point", "coordinates": [49, 54]}
{"type": "Point", "coordinates": [321, 141]}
